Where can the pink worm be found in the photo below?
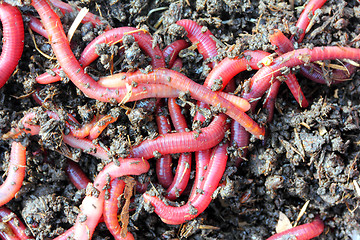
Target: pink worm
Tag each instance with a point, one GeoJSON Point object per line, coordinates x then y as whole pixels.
{"type": "Point", "coordinates": [163, 164]}
{"type": "Point", "coordinates": [179, 215]}
{"type": "Point", "coordinates": [171, 51]}
{"type": "Point", "coordinates": [15, 173]}
{"type": "Point", "coordinates": [304, 18]}
{"type": "Point", "coordinates": [92, 205]}
{"type": "Point", "coordinates": [205, 43]}
{"type": "Point", "coordinates": [111, 208]}
{"type": "Point", "coordinates": [183, 169]}
{"type": "Point", "coordinates": [89, 17]}
{"type": "Point", "coordinates": [303, 232]}
{"type": "Point", "coordinates": [269, 103]}
{"type": "Point", "coordinates": [100, 126]}
{"type": "Point", "coordinates": [13, 40]}
{"type": "Point", "coordinates": [183, 142]}
{"type": "Point", "coordinates": [76, 175]}
{"type": "Point", "coordinates": [198, 92]}
{"type": "Point", "coordinates": [313, 72]}
{"type": "Point", "coordinates": [72, 67]}
{"type": "Point", "coordinates": [228, 68]}
{"type": "Point", "coordinates": [285, 45]}
{"type": "Point", "coordinates": [202, 159]}
{"type": "Point", "coordinates": [206, 46]}
{"type": "Point", "coordinates": [113, 36]}
{"type": "Point", "coordinates": [261, 80]}
{"type": "Point", "coordinates": [35, 25]}
{"type": "Point", "coordinates": [15, 223]}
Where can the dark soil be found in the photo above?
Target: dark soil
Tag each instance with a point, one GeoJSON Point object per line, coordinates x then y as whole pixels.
{"type": "Point", "coordinates": [310, 154]}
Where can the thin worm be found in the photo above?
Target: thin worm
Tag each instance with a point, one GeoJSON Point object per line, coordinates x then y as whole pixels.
{"type": "Point", "coordinates": [284, 45]}
{"type": "Point", "coordinates": [313, 71]}
{"type": "Point", "coordinates": [303, 232]}
{"type": "Point", "coordinates": [100, 126]}
{"type": "Point", "coordinates": [113, 36]}
{"type": "Point", "coordinates": [227, 69]}
{"type": "Point", "coordinates": [202, 159]}
{"type": "Point", "coordinates": [198, 92]}
{"type": "Point", "coordinates": [163, 164]}
{"type": "Point", "coordinates": [15, 173]}
{"type": "Point", "coordinates": [89, 17]}
{"type": "Point", "coordinates": [205, 43]}
{"type": "Point", "coordinates": [36, 25]}
{"type": "Point", "coordinates": [15, 223]}
{"type": "Point", "coordinates": [111, 208]}
{"type": "Point", "coordinates": [13, 40]}
{"type": "Point", "coordinates": [261, 80]}
{"type": "Point", "coordinates": [76, 175]}
{"type": "Point", "coordinates": [179, 215]}
{"type": "Point", "coordinates": [171, 51]}
{"type": "Point", "coordinates": [240, 138]}
{"type": "Point", "coordinates": [304, 18]}
{"type": "Point", "coordinates": [92, 205]}
{"type": "Point", "coordinates": [183, 169]}
{"type": "Point", "coordinates": [183, 142]}
{"type": "Point", "coordinates": [270, 98]}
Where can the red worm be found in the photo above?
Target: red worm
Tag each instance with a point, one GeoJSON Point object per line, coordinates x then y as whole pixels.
{"type": "Point", "coordinates": [92, 205]}
{"type": "Point", "coordinates": [202, 159]}
{"type": "Point", "coordinates": [177, 118]}
{"type": "Point", "coordinates": [197, 91]}
{"type": "Point", "coordinates": [72, 67]}
{"type": "Point", "coordinates": [227, 69]}
{"type": "Point", "coordinates": [171, 51]}
{"type": "Point", "coordinates": [312, 72]}
{"type": "Point", "coordinates": [111, 208]}
{"type": "Point", "coordinates": [206, 46]}
{"type": "Point", "coordinates": [178, 64]}
{"type": "Point", "coordinates": [100, 126]}
{"type": "Point", "coordinates": [284, 45]}
{"type": "Point", "coordinates": [13, 40]}
{"type": "Point", "coordinates": [192, 141]}
{"type": "Point", "coordinates": [240, 138]}
{"type": "Point", "coordinates": [6, 232]}
{"type": "Point", "coordinates": [183, 169]}
{"type": "Point", "coordinates": [178, 215]}
{"type": "Point", "coordinates": [16, 224]}
{"type": "Point", "coordinates": [261, 80]}
{"type": "Point", "coordinates": [303, 232]}
{"type": "Point", "coordinates": [304, 18]}
{"type": "Point", "coordinates": [111, 37]}
{"type": "Point", "coordinates": [89, 17]}
{"type": "Point", "coordinates": [269, 103]}
{"type": "Point", "coordinates": [118, 81]}
{"type": "Point", "coordinates": [76, 175]}
{"type": "Point", "coordinates": [205, 43]}
{"type": "Point", "coordinates": [163, 165]}
{"type": "Point", "coordinates": [15, 173]}
{"type": "Point", "coordinates": [35, 25]}
{"type": "Point", "coordinates": [82, 143]}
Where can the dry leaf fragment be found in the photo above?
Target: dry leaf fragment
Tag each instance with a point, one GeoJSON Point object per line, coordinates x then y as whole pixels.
{"type": "Point", "coordinates": [283, 223]}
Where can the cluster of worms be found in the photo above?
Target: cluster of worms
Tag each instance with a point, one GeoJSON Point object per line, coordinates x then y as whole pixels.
{"type": "Point", "coordinates": [209, 143]}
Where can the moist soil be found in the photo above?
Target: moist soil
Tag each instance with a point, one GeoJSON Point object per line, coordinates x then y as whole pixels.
{"type": "Point", "coordinates": [309, 160]}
